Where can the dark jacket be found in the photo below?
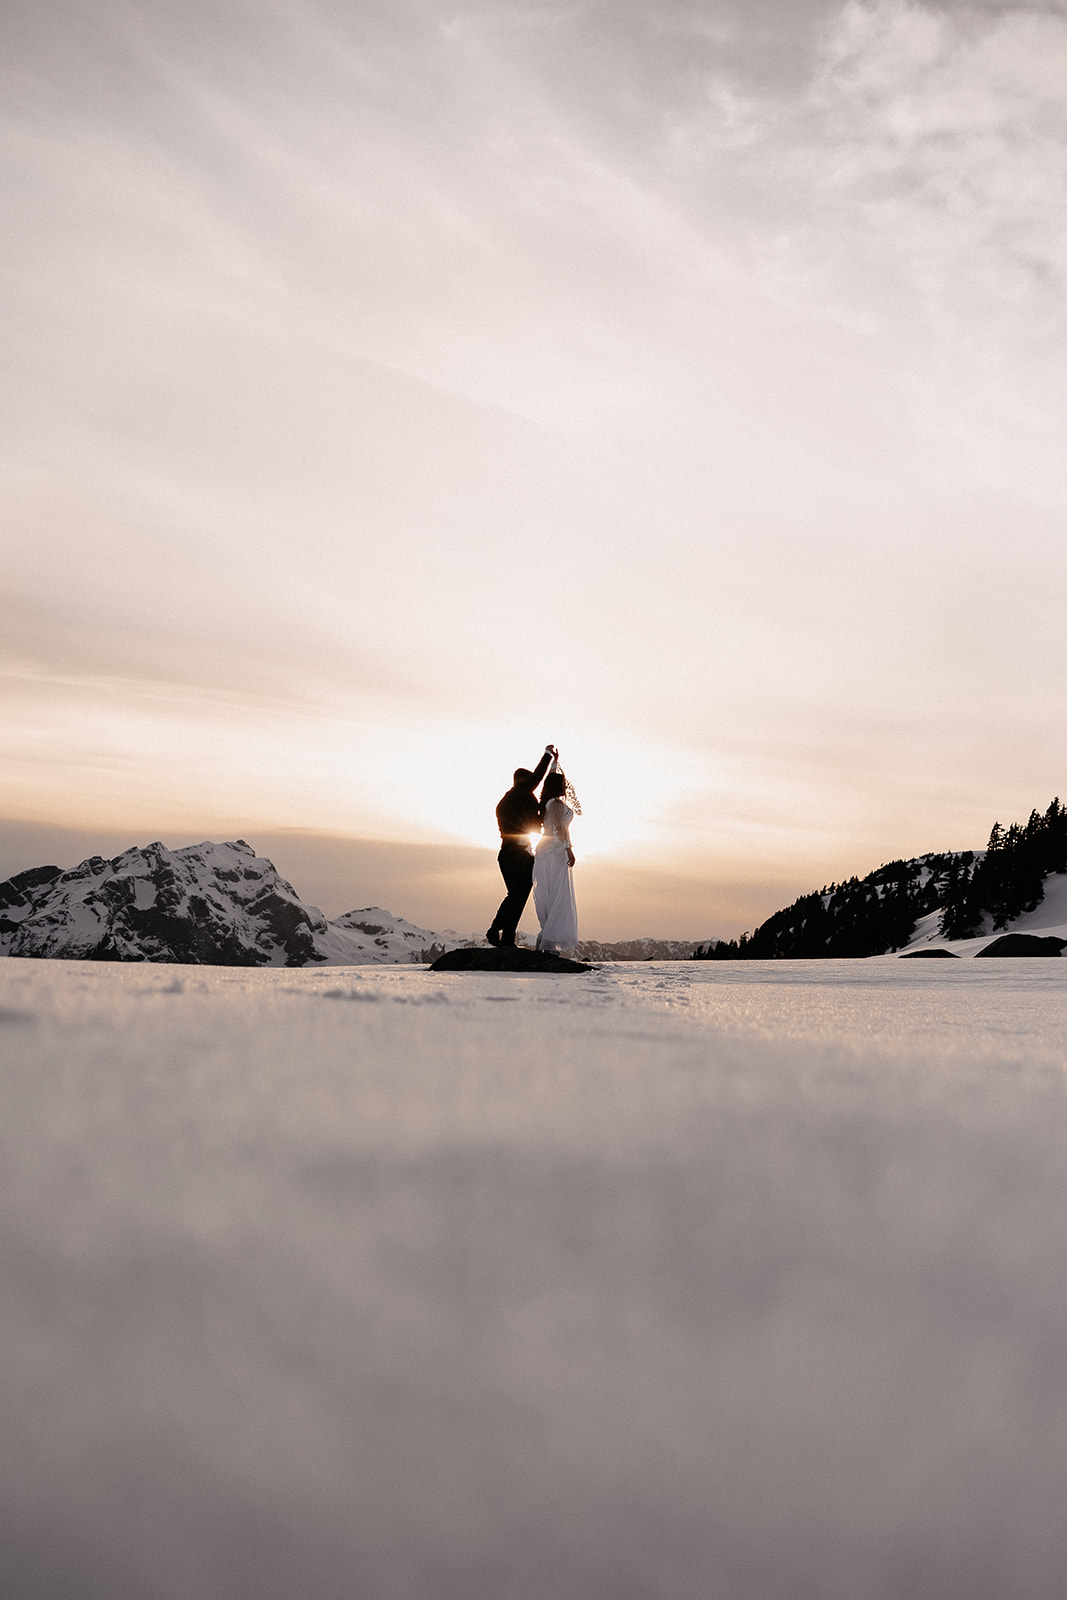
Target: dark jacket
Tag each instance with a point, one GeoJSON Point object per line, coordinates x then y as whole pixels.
{"type": "Point", "coordinates": [518, 812]}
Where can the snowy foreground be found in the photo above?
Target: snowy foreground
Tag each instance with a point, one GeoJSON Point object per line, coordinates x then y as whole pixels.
{"type": "Point", "coordinates": [670, 1282]}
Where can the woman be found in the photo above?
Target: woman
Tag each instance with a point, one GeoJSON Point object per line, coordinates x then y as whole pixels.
{"type": "Point", "coordinates": [553, 885]}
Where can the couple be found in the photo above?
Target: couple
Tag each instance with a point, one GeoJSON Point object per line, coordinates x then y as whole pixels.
{"type": "Point", "coordinates": [519, 815]}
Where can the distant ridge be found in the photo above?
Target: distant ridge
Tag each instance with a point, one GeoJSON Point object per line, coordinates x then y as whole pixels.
{"type": "Point", "coordinates": [956, 896]}
{"type": "Point", "coordinates": [637, 950]}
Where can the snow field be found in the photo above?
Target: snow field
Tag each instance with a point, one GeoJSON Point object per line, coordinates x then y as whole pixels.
{"type": "Point", "coordinates": [687, 1279]}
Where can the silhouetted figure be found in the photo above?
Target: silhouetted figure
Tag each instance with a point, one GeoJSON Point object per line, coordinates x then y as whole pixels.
{"type": "Point", "coordinates": [518, 815]}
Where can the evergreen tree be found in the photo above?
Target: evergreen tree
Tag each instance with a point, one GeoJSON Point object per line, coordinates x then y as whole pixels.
{"type": "Point", "coordinates": [961, 916]}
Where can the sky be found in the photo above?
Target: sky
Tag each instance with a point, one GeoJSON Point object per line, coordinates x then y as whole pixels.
{"type": "Point", "coordinates": [391, 388]}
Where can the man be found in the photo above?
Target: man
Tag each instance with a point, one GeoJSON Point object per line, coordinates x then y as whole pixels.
{"type": "Point", "coordinates": [518, 815]}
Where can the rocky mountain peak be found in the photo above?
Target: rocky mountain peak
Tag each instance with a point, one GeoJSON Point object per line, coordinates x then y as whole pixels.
{"type": "Point", "coordinates": [216, 903]}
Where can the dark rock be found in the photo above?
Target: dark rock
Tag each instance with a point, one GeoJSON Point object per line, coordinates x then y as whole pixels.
{"type": "Point", "coordinates": [16, 890]}
{"type": "Point", "coordinates": [912, 955]}
{"type": "Point", "coordinates": [516, 959]}
{"type": "Point", "coordinates": [1024, 944]}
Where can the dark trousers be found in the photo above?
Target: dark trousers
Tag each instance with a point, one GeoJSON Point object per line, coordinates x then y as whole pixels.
{"type": "Point", "coordinates": [516, 868]}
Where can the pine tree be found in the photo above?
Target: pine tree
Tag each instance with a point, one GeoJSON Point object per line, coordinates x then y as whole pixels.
{"type": "Point", "coordinates": [961, 916]}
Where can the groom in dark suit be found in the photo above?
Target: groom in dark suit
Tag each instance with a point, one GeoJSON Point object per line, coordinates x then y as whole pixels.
{"type": "Point", "coordinates": [517, 815]}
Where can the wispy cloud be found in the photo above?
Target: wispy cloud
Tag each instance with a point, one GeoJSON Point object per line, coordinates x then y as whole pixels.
{"type": "Point", "coordinates": [949, 132]}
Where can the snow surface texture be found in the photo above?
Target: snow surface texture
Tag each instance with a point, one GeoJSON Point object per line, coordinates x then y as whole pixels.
{"type": "Point", "coordinates": [739, 1281]}
{"type": "Point", "coordinates": [215, 903]}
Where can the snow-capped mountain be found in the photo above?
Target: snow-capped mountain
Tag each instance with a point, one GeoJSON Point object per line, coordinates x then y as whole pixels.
{"type": "Point", "coordinates": [217, 904]}
{"type": "Point", "coordinates": [637, 950]}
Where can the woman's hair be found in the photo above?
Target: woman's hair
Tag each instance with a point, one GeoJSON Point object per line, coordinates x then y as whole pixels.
{"type": "Point", "coordinates": [557, 787]}
{"type": "Point", "coordinates": [553, 788]}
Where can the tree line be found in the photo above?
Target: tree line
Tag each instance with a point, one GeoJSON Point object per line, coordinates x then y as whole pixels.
{"type": "Point", "coordinates": [1009, 877]}
{"type": "Point", "coordinates": [877, 914]}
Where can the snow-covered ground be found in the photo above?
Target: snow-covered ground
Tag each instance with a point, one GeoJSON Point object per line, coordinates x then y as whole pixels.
{"type": "Point", "coordinates": [686, 1281]}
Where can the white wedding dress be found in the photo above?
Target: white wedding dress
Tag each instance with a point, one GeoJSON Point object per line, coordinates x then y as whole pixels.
{"type": "Point", "coordinates": [553, 882]}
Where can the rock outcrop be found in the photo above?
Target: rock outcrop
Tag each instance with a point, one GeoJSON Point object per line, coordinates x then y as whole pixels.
{"type": "Point", "coordinates": [516, 958]}
{"type": "Point", "coordinates": [1024, 944]}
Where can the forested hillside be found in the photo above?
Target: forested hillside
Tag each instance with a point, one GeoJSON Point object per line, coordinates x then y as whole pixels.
{"type": "Point", "coordinates": [876, 914]}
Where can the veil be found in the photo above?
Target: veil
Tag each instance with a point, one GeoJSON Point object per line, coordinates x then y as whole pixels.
{"type": "Point", "coordinates": [568, 792]}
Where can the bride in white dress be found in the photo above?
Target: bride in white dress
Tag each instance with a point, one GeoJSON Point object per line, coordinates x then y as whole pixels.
{"type": "Point", "coordinates": [553, 883]}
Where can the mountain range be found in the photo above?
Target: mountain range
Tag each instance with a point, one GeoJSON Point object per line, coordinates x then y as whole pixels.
{"type": "Point", "coordinates": [221, 904]}
{"type": "Point", "coordinates": [213, 904]}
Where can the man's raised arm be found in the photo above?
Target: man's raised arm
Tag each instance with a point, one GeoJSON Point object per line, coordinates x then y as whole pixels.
{"type": "Point", "coordinates": [544, 764]}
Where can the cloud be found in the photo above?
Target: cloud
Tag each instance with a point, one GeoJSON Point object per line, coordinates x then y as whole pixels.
{"type": "Point", "coordinates": [948, 132]}
{"type": "Point", "coordinates": [915, 171]}
{"type": "Point", "coordinates": [917, 95]}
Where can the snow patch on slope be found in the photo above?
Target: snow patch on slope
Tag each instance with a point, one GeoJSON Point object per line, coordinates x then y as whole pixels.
{"type": "Point", "coordinates": [1049, 918]}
